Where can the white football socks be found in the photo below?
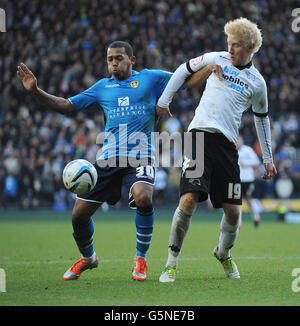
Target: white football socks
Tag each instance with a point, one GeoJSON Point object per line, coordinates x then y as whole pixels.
{"type": "Point", "coordinates": [227, 239]}
{"type": "Point", "coordinates": [254, 210]}
{"type": "Point", "coordinates": [179, 228]}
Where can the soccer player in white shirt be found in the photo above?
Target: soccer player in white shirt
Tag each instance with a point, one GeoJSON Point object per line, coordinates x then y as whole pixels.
{"type": "Point", "coordinates": [248, 161]}
{"type": "Point", "coordinates": [218, 116]}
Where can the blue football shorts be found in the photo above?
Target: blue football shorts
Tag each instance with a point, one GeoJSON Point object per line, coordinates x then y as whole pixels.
{"type": "Point", "coordinates": [111, 179]}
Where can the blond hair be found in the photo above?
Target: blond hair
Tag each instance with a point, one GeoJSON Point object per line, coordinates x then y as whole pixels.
{"type": "Point", "coordinates": [247, 30]}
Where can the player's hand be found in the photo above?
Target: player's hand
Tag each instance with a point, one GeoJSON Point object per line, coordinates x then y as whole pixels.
{"type": "Point", "coordinates": [270, 171]}
{"type": "Point", "coordinates": [27, 77]}
{"type": "Point", "coordinates": [161, 112]}
{"type": "Point", "coordinates": [217, 70]}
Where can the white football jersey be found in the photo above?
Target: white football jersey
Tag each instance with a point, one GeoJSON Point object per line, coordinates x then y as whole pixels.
{"type": "Point", "coordinates": [223, 102]}
{"type": "Point", "coordinates": [247, 161]}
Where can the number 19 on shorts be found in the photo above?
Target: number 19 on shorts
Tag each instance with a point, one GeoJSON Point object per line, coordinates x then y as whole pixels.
{"type": "Point", "coordinates": [234, 190]}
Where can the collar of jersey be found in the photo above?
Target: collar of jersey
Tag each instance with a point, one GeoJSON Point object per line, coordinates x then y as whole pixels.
{"type": "Point", "coordinates": [248, 65]}
{"type": "Point", "coordinates": [134, 73]}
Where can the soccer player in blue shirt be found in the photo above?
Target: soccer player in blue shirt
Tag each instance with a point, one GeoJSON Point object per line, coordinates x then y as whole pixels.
{"type": "Point", "coordinates": [128, 100]}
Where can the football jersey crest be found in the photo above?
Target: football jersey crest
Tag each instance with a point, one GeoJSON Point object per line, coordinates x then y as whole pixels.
{"type": "Point", "coordinates": [134, 84]}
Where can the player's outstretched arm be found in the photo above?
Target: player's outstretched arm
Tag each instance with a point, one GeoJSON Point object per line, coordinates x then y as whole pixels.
{"type": "Point", "coordinates": [199, 77]}
{"type": "Point", "coordinates": [57, 104]}
{"type": "Point", "coordinates": [196, 79]}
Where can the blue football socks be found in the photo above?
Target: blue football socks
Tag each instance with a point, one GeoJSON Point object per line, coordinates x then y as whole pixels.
{"type": "Point", "coordinates": [144, 220]}
{"type": "Point", "coordinates": [83, 235]}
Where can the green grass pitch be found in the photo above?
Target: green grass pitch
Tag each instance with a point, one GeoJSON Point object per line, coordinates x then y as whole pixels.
{"type": "Point", "coordinates": [36, 248]}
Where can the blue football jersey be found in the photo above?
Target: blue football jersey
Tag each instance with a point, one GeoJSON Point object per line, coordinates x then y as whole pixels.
{"type": "Point", "coordinates": [129, 109]}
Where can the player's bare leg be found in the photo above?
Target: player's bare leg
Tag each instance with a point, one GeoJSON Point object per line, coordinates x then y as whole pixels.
{"type": "Point", "coordinates": [144, 219]}
{"type": "Point", "coordinates": [180, 225]}
{"type": "Point", "coordinates": [83, 227]}
{"type": "Point", "coordinates": [228, 236]}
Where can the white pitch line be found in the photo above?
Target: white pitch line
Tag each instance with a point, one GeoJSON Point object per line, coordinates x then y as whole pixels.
{"type": "Point", "coordinates": [62, 261]}
{"type": "Point", "coordinates": [117, 260]}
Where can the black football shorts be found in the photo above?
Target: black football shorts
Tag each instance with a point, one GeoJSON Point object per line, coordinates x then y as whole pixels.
{"type": "Point", "coordinates": [221, 177]}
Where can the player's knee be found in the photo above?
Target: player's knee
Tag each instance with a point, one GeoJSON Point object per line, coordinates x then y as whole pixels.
{"type": "Point", "coordinates": [143, 199]}
{"type": "Point", "coordinates": [76, 216]}
{"type": "Point", "coordinates": [83, 211]}
{"type": "Point", "coordinates": [79, 216]}
{"type": "Point", "coordinates": [188, 204]}
{"type": "Point", "coordinates": [233, 214]}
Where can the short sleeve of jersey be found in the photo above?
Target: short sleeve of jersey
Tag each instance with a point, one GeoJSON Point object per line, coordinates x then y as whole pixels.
{"type": "Point", "coordinates": [198, 63]}
{"type": "Point", "coordinates": [260, 100]}
{"type": "Point", "coordinates": [86, 98]}
{"type": "Point", "coordinates": [162, 78]}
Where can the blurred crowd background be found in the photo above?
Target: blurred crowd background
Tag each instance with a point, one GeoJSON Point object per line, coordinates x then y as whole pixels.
{"type": "Point", "coordinates": [64, 43]}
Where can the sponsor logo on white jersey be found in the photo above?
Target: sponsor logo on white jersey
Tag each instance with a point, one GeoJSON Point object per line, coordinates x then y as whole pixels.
{"type": "Point", "coordinates": [236, 83]}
